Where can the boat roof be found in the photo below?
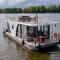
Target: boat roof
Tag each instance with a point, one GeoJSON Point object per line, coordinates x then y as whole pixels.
{"type": "Point", "coordinates": [35, 23]}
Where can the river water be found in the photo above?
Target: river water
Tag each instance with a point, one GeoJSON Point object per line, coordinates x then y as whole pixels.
{"type": "Point", "coordinates": [9, 50]}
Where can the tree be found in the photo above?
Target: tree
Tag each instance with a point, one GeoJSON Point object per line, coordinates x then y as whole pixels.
{"type": "Point", "coordinates": [1, 11]}
{"type": "Point", "coordinates": [33, 9]}
{"type": "Point", "coordinates": [58, 8]}
{"type": "Point", "coordinates": [19, 10]}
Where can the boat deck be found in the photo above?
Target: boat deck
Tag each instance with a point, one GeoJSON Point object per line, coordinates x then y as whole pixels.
{"type": "Point", "coordinates": [48, 41]}
{"type": "Point", "coordinates": [32, 45]}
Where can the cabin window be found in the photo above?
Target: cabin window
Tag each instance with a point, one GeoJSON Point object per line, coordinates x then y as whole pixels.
{"type": "Point", "coordinates": [55, 25]}
{"type": "Point", "coordinates": [44, 31]}
{"type": "Point", "coordinates": [40, 31]}
{"type": "Point", "coordinates": [19, 31]}
{"type": "Point", "coordinates": [12, 27]}
{"type": "Point", "coordinates": [31, 31]}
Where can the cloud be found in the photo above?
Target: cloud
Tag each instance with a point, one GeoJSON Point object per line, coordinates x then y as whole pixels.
{"type": "Point", "coordinates": [38, 2]}
{"type": "Point", "coordinates": [27, 3]}
{"type": "Point", "coordinates": [9, 2]}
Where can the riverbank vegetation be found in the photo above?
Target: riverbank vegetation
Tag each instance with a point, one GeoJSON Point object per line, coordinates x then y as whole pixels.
{"type": "Point", "coordinates": [32, 9]}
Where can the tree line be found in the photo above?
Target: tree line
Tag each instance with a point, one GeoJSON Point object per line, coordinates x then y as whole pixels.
{"type": "Point", "coordinates": [32, 9]}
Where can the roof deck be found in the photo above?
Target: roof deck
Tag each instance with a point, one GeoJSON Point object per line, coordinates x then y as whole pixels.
{"type": "Point", "coordinates": [31, 21]}
{"type": "Point", "coordinates": [35, 23]}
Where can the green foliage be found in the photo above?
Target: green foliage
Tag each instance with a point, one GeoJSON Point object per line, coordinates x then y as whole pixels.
{"type": "Point", "coordinates": [33, 9]}
{"type": "Point", "coordinates": [11, 10]}
{"type": "Point", "coordinates": [58, 8]}
{"type": "Point", "coordinates": [1, 11]}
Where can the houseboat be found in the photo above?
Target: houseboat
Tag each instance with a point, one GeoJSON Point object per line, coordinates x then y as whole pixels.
{"type": "Point", "coordinates": [32, 33]}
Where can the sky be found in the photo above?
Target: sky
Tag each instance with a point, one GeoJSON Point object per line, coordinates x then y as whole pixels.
{"type": "Point", "coordinates": [27, 3]}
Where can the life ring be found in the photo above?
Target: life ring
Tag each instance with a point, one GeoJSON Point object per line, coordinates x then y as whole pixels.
{"type": "Point", "coordinates": [55, 35]}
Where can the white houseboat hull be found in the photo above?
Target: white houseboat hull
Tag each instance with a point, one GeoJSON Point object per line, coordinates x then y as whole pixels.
{"type": "Point", "coordinates": [19, 31]}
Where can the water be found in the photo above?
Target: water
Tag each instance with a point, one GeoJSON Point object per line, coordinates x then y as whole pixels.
{"type": "Point", "coordinates": [9, 50]}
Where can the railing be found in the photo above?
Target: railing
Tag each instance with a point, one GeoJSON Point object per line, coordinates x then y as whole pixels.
{"type": "Point", "coordinates": [25, 19]}
{"type": "Point", "coordinates": [41, 40]}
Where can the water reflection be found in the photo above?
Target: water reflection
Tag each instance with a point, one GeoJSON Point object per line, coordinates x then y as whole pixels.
{"type": "Point", "coordinates": [15, 52]}
{"type": "Point", "coordinates": [11, 50]}
{"type": "Point", "coordinates": [31, 55]}
{"type": "Point", "coordinates": [38, 56]}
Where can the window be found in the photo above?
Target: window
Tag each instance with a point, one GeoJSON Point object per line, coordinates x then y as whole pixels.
{"type": "Point", "coordinates": [12, 27]}
{"type": "Point", "coordinates": [55, 25]}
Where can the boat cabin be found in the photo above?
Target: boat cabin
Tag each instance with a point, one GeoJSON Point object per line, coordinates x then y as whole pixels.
{"type": "Point", "coordinates": [32, 30]}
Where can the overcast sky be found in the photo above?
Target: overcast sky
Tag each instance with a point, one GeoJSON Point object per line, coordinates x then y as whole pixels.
{"type": "Point", "coordinates": [26, 3]}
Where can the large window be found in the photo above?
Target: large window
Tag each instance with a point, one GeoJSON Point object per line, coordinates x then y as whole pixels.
{"type": "Point", "coordinates": [21, 31]}
{"type": "Point", "coordinates": [31, 31]}
{"type": "Point", "coordinates": [44, 31]}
